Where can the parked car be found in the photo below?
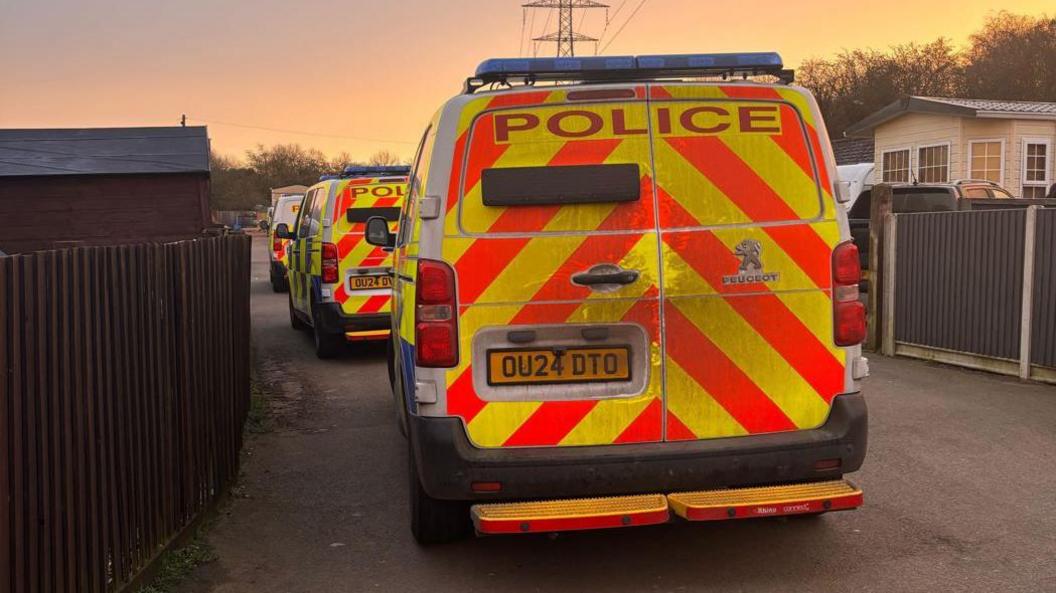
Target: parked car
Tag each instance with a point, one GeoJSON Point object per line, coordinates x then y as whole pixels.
{"type": "Point", "coordinates": [968, 194]}
{"type": "Point", "coordinates": [624, 299]}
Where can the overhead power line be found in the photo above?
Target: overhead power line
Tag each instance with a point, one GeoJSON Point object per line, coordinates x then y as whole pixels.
{"type": "Point", "coordinates": [297, 132]}
{"type": "Point", "coordinates": [624, 25]}
{"type": "Point", "coordinates": [608, 21]}
{"type": "Point", "coordinates": [566, 36]}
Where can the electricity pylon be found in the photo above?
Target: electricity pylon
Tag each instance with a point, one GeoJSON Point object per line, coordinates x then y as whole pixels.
{"type": "Point", "coordinates": [565, 36]}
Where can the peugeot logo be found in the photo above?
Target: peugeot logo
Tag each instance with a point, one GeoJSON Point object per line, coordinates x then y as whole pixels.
{"type": "Point", "coordinates": [751, 269]}
{"type": "Point", "coordinates": [749, 250]}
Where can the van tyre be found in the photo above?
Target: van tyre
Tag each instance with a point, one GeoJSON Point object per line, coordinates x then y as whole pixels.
{"type": "Point", "coordinates": [435, 521]}
{"type": "Point", "coordinates": [295, 319]}
{"type": "Point", "coordinates": [327, 345]}
{"type": "Point", "coordinates": [279, 283]}
{"type": "Point", "coordinates": [399, 407]}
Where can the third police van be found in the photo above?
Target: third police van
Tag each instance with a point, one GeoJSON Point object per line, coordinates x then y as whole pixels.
{"type": "Point", "coordinates": [625, 294]}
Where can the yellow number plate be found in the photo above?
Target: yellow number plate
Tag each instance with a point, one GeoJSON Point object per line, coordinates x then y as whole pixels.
{"type": "Point", "coordinates": [569, 365]}
{"type": "Point", "coordinates": [369, 282]}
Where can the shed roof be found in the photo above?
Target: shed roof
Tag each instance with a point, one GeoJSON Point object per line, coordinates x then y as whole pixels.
{"type": "Point", "coordinates": [991, 108]}
{"type": "Point", "coordinates": [103, 151]}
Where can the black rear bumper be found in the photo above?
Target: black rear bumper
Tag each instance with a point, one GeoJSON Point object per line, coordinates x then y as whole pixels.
{"type": "Point", "coordinates": [332, 320]}
{"type": "Point", "coordinates": [448, 464]}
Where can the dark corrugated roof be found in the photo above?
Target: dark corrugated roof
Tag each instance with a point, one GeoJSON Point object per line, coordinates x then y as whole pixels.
{"type": "Point", "coordinates": [851, 151]}
{"type": "Point", "coordinates": [104, 151]}
{"type": "Point", "coordinates": [956, 107]}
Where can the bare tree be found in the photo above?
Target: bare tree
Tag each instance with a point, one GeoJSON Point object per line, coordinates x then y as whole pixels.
{"type": "Point", "coordinates": [385, 157]}
{"type": "Point", "coordinates": [1013, 57]}
{"type": "Point", "coordinates": [854, 84]}
{"type": "Point", "coordinates": [1010, 57]}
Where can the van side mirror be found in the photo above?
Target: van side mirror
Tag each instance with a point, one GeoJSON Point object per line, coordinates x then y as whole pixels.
{"type": "Point", "coordinates": [378, 234]}
{"type": "Point", "coordinates": [264, 225]}
{"type": "Point", "coordinates": [843, 192]}
{"type": "Point", "coordinates": [282, 231]}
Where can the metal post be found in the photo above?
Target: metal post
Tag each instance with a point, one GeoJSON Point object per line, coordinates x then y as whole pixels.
{"type": "Point", "coordinates": [888, 318]}
{"type": "Point", "coordinates": [1027, 313]}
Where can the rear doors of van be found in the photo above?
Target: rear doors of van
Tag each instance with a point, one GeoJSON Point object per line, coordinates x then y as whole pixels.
{"type": "Point", "coordinates": [641, 263]}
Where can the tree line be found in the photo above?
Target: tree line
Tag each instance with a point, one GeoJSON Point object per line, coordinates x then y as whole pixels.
{"type": "Point", "coordinates": [244, 184]}
{"type": "Point", "coordinates": [1012, 57]}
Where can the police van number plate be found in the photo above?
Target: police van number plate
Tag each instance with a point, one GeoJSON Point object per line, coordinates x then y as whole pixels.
{"type": "Point", "coordinates": [369, 282]}
{"type": "Point", "coordinates": [565, 365]}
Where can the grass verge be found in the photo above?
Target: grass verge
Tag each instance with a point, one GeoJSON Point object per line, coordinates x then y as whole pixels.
{"type": "Point", "coordinates": [179, 564]}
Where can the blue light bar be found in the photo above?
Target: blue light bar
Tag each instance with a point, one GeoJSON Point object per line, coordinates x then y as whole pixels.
{"type": "Point", "coordinates": [387, 171]}
{"type": "Point", "coordinates": [737, 62]}
{"type": "Point", "coordinates": [521, 66]}
{"type": "Point", "coordinates": [601, 68]}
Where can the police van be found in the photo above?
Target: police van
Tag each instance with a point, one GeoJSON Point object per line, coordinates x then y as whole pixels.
{"type": "Point", "coordinates": [284, 211]}
{"type": "Point", "coordinates": [625, 294]}
{"type": "Point", "coordinates": [340, 286]}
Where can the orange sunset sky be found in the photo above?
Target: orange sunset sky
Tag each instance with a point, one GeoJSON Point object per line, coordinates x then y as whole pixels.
{"type": "Point", "coordinates": [369, 74]}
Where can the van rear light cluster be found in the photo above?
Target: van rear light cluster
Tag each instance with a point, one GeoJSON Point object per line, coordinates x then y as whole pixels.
{"type": "Point", "coordinates": [848, 311]}
{"type": "Point", "coordinates": [435, 322]}
{"type": "Point", "coordinates": [329, 265]}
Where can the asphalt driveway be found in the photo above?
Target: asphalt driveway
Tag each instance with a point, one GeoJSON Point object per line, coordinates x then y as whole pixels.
{"type": "Point", "coordinates": [959, 482]}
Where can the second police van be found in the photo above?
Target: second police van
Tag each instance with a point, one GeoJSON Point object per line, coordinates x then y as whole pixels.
{"type": "Point", "coordinates": [340, 286]}
{"type": "Point", "coordinates": [624, 297]}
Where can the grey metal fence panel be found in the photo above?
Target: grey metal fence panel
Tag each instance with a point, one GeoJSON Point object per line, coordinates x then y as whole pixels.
{"type": "Point", "coordinates": [1043, 344]}
{"type": "Point", "coordinates": [959, 281]}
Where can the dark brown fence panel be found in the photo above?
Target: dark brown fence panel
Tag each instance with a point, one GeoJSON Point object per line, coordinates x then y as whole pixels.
{"type": "Point", "coordinates": [1043, 345]}
{"type": "Point", "coordinates": [124, 384]}
{"type": "Point", "coordinates": [959, 281]}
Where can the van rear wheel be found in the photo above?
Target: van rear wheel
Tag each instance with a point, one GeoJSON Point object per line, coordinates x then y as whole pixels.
{"type": "Point", "coordinates": [295, 320]}
{"type": "Point", "coordinates": [435, 521]}
{"type": "Point", "coordinates": [279, 283]}
{"type": "Point", "coordinates": [327, 345]}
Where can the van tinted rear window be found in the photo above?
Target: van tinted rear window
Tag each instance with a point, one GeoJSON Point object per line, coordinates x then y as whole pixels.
{"type": "Point", "coordinates": [557, 186]}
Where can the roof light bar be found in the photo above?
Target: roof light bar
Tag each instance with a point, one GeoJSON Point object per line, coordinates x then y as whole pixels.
{"type": "Point", "coordinates": [364, 171]}
{"type": "Point", "coordinates": [359, 171]}
{"type": "Point", "coordinates": [605, 68]}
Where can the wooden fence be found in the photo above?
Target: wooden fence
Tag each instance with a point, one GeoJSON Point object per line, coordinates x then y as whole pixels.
{"type": "Point", "coordinates": [124, 384]}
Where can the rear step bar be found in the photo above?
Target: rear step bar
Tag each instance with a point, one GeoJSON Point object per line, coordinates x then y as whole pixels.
{"type": "Point", "coordinates": [570, 515]}
{"type": "Point", "coordinates": [766, 501]}
{"type": "Point", "coordinates": [651, 509]}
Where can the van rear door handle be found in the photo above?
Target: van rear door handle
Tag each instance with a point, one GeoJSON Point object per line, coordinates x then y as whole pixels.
{"type": "Point", "coordinates": [606, 274]}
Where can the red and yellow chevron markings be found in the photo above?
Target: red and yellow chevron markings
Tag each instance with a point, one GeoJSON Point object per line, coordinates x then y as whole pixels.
{"type": "Point", "coordinates": [753, 357]}
{"type": "Point", "coordinates": [352, 248]}
{"type": "Point", "coordinates": [524, 278]}
{"type": "Point", "coordinates": [742, 358]}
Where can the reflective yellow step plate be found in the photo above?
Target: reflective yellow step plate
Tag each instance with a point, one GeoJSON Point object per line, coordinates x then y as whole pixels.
{"type": "Point", "coordinates": [570, 515]}
{"type": "Point", "coordinates": [767, 501]}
